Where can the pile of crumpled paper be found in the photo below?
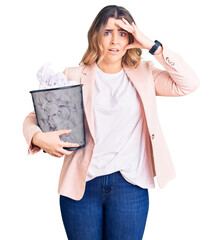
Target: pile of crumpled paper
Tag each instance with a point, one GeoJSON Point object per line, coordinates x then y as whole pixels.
{"type": "Point", "coordinates": [48, 79]}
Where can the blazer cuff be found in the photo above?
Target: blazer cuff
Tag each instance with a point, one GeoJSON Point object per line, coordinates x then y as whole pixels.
{"type": "Point", "coordinates": [32, 149]}
{"type": "Point", "coordinates": [30, 127]}
{"type": "Point", "coordinates": [176, 66]}
{"type": "Point", "coordinates": [169, 59]}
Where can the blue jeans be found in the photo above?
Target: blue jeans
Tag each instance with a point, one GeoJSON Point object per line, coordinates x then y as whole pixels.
{"type": "Point", "coordinates": [111, 209]}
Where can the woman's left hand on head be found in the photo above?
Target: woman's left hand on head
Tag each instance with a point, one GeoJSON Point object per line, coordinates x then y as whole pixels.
{"type": "Point", "coordinates": [140, 40]}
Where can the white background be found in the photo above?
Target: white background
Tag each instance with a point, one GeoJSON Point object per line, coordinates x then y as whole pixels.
{"type": "Point", "coordinates": [36, 32]}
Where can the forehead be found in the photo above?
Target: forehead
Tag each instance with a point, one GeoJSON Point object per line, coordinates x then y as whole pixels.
{"type": "Point", "coordinates": [111, 24]}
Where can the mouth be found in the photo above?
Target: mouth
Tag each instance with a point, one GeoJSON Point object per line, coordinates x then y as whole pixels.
{"type": "Point", "coordinates": [114, 50]}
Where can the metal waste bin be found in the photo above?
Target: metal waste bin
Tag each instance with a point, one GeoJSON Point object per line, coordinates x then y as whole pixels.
{"type": "Point", "coordinates": [61, 108]}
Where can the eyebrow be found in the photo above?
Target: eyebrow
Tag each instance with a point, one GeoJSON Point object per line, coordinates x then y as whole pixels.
{"type": "Point", "coordinates": [120, 30]}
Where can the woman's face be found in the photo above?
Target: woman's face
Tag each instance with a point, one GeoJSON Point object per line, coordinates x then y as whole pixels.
{"type": "Point", "coordinates": [114, 40]}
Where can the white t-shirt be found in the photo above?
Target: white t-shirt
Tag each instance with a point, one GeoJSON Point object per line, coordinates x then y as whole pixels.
{"type": "Point", "coordinates": [119, 122]}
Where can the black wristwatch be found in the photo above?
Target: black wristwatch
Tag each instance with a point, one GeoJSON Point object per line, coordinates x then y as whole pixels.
{"type": "Point", "coordinates": [155, 46]}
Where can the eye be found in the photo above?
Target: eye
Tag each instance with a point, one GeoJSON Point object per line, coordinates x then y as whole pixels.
{"type": "Point", "coordinates": [107, 33]}
{"type": "Point", "coordinates": [123, 34]}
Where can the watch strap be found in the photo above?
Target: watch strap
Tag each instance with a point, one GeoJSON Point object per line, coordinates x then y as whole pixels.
{"type": "Point", "coordinates": [155, 46]}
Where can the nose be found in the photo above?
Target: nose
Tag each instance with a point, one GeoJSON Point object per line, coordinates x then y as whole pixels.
{"type": "Point", "coordinates": [114, 38]}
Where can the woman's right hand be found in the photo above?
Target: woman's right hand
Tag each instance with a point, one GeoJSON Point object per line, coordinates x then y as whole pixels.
{"type": "Point", "coordinates": [52, 144]}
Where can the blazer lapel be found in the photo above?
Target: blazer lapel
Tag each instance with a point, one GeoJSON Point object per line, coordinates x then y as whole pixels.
{"type": "Point", "coordinates": [135, 78]}
{"type": "Point", "coordinates": [142, 81]}
{"type": "Point", "coordinates": [88, 80]}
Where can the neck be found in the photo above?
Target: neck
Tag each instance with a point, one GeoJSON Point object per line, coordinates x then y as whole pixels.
{"type": "Point", "coordinates": [110, 67]}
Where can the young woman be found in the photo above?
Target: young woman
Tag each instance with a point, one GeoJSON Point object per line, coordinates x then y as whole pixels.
{"type": "Point", "coordinates": [104, 186]}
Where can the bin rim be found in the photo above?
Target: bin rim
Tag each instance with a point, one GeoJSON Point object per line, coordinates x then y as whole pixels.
{"type": "Point", "coordinates": [58, 88]}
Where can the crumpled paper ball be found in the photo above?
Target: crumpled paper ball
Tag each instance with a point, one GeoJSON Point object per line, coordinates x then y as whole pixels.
{"type": "Point", "coordinates": [48, 79]}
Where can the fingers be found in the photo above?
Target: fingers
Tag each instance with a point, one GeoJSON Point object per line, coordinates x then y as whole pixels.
{"type": "Point", "coordinates": [130, 46]}
{"type": "Point", "coordinates": [124, 25]}
{"type": "Point", "coordinates": [64, 131]}
{"type": "Point", "coordinates": [68, 144]}
{"type": "Point", "coordinates": [65, 152]}
{"type": "Point", "coordinates": [54, 153]}
{"type": "Point", "coordinates": [59, 153]}
{"type": "Point", "coordinates": [132, 27]}
{"type": "Point", "coordinates": [124, 20]}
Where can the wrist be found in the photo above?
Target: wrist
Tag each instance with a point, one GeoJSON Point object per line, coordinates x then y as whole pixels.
{"type": "Point", "coordinates": [36, 138]}
{"type": "Point", "coordinates": [156, 48]}
{"type": "Point", "coordinates": [149, 44]}
{"type": "Point", "coordinates": [158, 51]}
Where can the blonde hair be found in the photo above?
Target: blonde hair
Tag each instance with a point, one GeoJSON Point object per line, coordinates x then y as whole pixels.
{"type": "Point", "coordinates": [132, 56]}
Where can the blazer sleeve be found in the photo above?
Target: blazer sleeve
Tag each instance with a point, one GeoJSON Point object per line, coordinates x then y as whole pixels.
{"type": "Point", "coordinates": [30, 127]}
{"type": "Point", "coordinates": [178, 79]}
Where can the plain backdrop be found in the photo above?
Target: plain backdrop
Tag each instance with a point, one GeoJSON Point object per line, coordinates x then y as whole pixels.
{"type": "Point", "coordinates": [36, 32]}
